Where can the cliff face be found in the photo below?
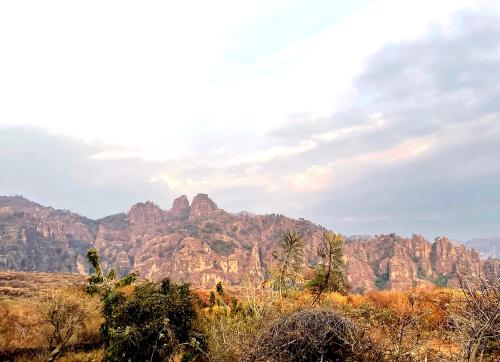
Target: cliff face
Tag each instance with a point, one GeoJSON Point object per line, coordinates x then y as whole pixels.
{"type": "Point", "coordinates": [37, 238]}
{"type": "Point", "coordinates": [198, 242]}
{"type": "Point", "coordinates": [398, 263]}
{"type": "Point", "coordinates": [203, 244]}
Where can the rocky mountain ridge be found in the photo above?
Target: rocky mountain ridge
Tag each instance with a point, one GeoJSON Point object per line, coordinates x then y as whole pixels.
{"type": "Point", "coordinates": [202, 243]}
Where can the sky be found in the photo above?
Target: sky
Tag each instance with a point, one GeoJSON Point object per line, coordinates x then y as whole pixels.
{"type": "Point", "coordinates": [367, 117]}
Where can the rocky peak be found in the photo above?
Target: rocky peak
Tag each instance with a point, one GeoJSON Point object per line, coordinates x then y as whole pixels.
{"type": "Point", "coordinates": [202, 205]}
{"type": "Point", "coordinates": [145, 213]}
{"type": "Point", "coordinates": [180, 208]}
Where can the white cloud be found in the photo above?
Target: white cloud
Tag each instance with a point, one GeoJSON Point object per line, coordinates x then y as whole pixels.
{"type": "Point", "coordinates": [149, 87]}
{"type": "Point", "coordinates": [145, 76]}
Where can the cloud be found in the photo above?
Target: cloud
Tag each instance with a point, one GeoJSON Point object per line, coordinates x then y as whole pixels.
{"type": "Point", "coordinates": [415, 151]}
{"type": "Point", "coordinates": [439, 99]}
{"type": "Point", "coordinates": [62, 172]}
{"type": "Point", "coordinates": [375, 124]}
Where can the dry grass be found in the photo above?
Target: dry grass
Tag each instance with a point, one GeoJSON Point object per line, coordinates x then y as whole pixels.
{"type": "Point", "coordinates": [393, 326]}
{"type": "Point", "coordinates": [15, 284]}
{"type": "Point", "coordinates": [400, 326]}
{"type": "Point", "coordinates": [25, 332]}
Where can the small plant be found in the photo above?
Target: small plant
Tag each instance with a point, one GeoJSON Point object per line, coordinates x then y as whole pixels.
{"type": "Point", "coordinates": [219, 289]}
{"type": "Point", "coordinates": [211, 299]}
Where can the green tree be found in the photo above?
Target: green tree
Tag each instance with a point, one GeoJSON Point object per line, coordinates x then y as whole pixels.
{"type": "Point", "coordinates": [329, 275]}
{"type": "Point", "coordinates": [290, 259]}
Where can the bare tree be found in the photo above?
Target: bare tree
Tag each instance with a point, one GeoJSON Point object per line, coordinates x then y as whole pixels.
{"type": "Point", "coordinates": [476, 316]}
{"type": "Point", "coordinates": [63, 315]}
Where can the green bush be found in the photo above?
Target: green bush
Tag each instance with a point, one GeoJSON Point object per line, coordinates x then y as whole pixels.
{"type": "Point", "coordinates": [441, 281]}
{"type": "Point", "coordinates": [152, 324]}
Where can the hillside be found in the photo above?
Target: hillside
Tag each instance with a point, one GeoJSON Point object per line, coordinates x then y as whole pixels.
{"type": "Point", "coordinates": [14, 284]}
{"type": "Point", "coordinates": [202, 243]}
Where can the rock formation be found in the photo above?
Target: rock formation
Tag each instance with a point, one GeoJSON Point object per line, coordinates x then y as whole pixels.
{"type": "Point", "coordinates": [202, 244]}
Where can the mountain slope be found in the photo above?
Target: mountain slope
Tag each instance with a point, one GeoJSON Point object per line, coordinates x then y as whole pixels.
{"type": "Point", "coordinates": [201, 243]}
{"type": "Point", "coordinates": [37, 238]}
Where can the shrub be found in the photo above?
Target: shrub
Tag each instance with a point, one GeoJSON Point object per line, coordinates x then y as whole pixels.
{"type": "Point", "coordinates": [441, 281]}
{"type": "Point", "coordinates": [476, 317]}
{"type": "Point", "coordinates": [306, 335]}
{"type": "Point", "coordinates": [64, 316]}
{"type": "Point", "coordinates": [152, 324]}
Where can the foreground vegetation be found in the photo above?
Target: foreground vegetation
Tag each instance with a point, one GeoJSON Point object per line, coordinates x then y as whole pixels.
{"type": "Point", "coordinates": [290, 319]}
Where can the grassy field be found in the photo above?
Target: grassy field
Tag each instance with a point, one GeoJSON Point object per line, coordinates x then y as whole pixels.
{"type": "Point", "coordinates": [15, 285]}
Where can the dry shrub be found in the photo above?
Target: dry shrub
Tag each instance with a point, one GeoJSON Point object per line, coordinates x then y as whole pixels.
{"type": "Point", "coordinates": [23, 321]}
{"type": "Point", "coordinates": [431, 305]}
{"type": "Point", "coordinates": [17, 321]}
{"type": "Point", "coordinates": [231, 334]}
{"type": "Point", "coordinates": [394, 300]}
{"type": "Point", "coordinates": [403, 324]}
{"type": "Point", "coordinates": [69, 311]}
{"type": "Point", "coordinates": [475, 317]}
{"type": "Point", "coordinates": [65, 317]}
{"type": "Point", "coordinates": [231, 331]}
{"type": "Point", "coordinates": [356, 300]}
{"type": "Point", "coordinates": [335, 298]}
{"type": "Point", "coordinates": [306, 335]}
{"type": "Point", "coordinates": [436, 303]}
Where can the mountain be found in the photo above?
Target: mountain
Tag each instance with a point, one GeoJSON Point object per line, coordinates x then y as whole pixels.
{"type": "Point", "coordinates": [201, 243]}
{"type": "Point", "coordinates": [487, 247]}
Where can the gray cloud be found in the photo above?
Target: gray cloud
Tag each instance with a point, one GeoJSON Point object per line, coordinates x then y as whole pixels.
{"type": "Point", "coordinates": [60, 172]}
{"type": "Point", "coordinates": [444, 86]}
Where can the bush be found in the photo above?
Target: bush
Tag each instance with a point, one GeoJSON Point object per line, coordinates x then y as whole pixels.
{"type": "Point", "coordinates": [153, 324]}
{"type": "Point", "coordinates": [306, 335]}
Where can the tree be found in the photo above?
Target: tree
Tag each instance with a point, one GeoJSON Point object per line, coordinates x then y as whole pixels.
{"type": "Point", "coordinates": [290, 259]}
{"type": "Point", "coordinates": [329, 275]}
